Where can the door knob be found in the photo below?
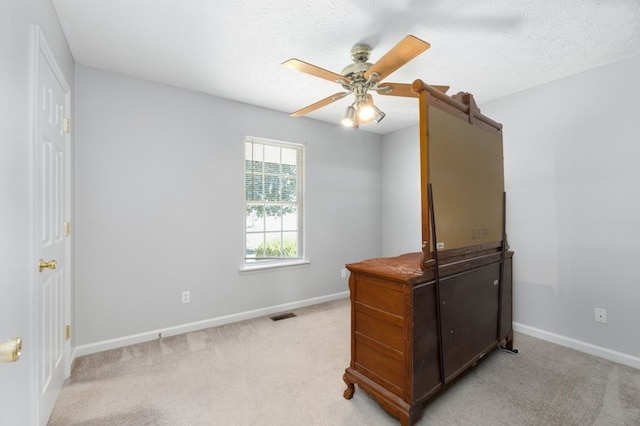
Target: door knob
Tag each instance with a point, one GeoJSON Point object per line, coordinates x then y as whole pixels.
{"type": "Point", "coordinates": [10, 350]}
{"type": "Point", "coordinates": [47, 265]}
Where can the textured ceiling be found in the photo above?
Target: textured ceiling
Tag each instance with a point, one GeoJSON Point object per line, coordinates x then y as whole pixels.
{"type": "Point", "coordinates": [234, 48]}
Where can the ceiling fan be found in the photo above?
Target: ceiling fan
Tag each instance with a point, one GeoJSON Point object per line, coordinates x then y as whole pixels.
{"type": "Point", "coordinates": [361, 77]}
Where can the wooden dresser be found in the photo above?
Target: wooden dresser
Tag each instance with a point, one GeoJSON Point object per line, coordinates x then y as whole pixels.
{"type": "Point", "coordinates": [419, 320]}
{"type": "Point", "coordinates": [394, 327]}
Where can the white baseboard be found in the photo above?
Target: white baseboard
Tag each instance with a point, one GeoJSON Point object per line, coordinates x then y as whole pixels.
{"type": "Point", "coordinates": [71, 362]}
{"type": "Point", "coordinates": [200, 325]}
{"type": "Point", "coordinates": [608, 354]}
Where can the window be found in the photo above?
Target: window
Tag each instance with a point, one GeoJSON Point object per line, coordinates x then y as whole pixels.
{"type": "Point", "coordinates": [273, 201]}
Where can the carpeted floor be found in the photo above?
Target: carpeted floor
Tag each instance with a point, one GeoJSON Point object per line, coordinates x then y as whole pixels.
{"type": "Point", "coordinates": [289, 372]}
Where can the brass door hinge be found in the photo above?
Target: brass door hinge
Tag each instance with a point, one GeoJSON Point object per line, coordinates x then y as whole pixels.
{"type": "Point", "coordinates": [67, 227]}
{"type": "Point", "coordinates": [67, 125]}
{"type": "Point", "coordinates": [67, 332]}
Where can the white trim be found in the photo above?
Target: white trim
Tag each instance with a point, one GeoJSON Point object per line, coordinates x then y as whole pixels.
{"type": "Point", "coordinates": [72, 358]}
{"type": "Point", "coordinates": [608, 354]}
{"type": "Point", "coordinates": [43, 46]}
{"type": "Point", "coordinates": [259, 266]}
{"type": "Point", "coordinates": [35, 329]}
{"type": "Point", "coordinates": [200, 325]}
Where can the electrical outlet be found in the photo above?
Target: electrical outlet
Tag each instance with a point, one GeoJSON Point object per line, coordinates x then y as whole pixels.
{"type": "Point", "coordinates": [601, 315]}
{"type": "Point", "coordinates": [343, 272]}
{"type": "Point", "coordinates": [186, 296]}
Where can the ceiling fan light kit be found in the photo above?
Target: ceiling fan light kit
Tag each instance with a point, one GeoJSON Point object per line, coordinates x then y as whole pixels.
{"type": "Point", "coordinates": [363, 77]}
{"type": "Point", "coordinates": [363, 110]}
{"type": "Point", "coordinates": [350, 118]}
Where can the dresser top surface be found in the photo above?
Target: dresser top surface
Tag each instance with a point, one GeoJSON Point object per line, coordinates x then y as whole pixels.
{"type": "Point", "coordinates": [405, 267]}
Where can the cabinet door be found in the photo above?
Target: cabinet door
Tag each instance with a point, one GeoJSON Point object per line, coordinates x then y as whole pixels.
{"type": "Point", "coordinates": [469, 309]}
{"type": "Point", "coordinates": [426, 362]}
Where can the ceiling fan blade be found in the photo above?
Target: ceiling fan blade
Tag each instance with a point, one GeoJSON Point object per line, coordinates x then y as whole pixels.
{"type": "Point", "coordinates": [324, 102]}
{"type": "Point", "coordinates": [397, 89]}
{"type": "Point", "coordinates": [298, 65]}
{"type": "Point", "coordinates": [408, 48]}
{"type": "Point", "coordinates": [402, 89]}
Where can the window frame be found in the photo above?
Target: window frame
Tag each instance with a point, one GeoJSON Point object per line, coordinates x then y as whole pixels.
{"type": "Point", "coordinates": [251, 264]}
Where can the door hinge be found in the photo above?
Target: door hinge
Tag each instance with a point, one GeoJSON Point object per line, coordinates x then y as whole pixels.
{"type": "Point", "coordinates": [67, 228]}
{"type": "Point", "coordinates": [67, 125]}
{"type": "Point", "coordinates": [67, 332]}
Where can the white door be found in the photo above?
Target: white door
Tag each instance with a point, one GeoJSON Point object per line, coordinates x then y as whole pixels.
{"type": "Point", "coordinates": [52, 209]}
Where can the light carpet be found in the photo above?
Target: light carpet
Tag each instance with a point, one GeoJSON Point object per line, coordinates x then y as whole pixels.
{"type": "Point", "coordinates": [289, 372]}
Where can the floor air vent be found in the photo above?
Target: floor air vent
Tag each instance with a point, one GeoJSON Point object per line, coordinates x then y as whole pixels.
{"type": "Point", "coordinates": [283, 316]}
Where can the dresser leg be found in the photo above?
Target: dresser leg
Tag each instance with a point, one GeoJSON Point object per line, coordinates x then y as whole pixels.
{"type": "Point", "coordinates": [405, 420]}
{"type": "Point", "coordinates": [509, 342]}
{"type": "Point", "coordinates": [508, 347]}
{"type": "Point", "coordinates": [348, 393]}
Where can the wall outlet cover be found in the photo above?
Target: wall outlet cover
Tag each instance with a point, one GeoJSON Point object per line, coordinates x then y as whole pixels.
{"type": "Point", "coordinates": [601, 315]}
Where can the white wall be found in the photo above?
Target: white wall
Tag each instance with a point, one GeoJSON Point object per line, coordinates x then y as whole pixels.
{"type": "Point", "coordinates": [573, 186]}
{"type": "Point", "coordinates": [17, 253]}
{"type": "Point", "coordinates": [160, 206]}
{"type": "Point", "coordinates": [573, 206]}
{"type": "Point", "coordinates": [401, 218]}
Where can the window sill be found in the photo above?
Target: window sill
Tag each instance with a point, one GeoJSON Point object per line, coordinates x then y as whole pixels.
{"type": "Point", "coordinates": [249, 268]}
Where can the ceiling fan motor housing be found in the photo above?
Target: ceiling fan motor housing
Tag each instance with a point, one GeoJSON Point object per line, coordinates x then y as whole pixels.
{"type": "Point", "coordinates": [359, 55]}
{"type": "Point", "coordinates": [355, 68]}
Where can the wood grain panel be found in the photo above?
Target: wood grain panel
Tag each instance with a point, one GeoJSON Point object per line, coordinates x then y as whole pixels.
{"type": "Point", "coordinates": [426, 362]}
{"type": "Point", "coordinates": [380, 294]}
{"type": "Point", "coordinates": [386, 329]}
{"type": "Point", "coordinates": [389, 370]}
{"type": "Point", "coordinates": [506, 318]}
